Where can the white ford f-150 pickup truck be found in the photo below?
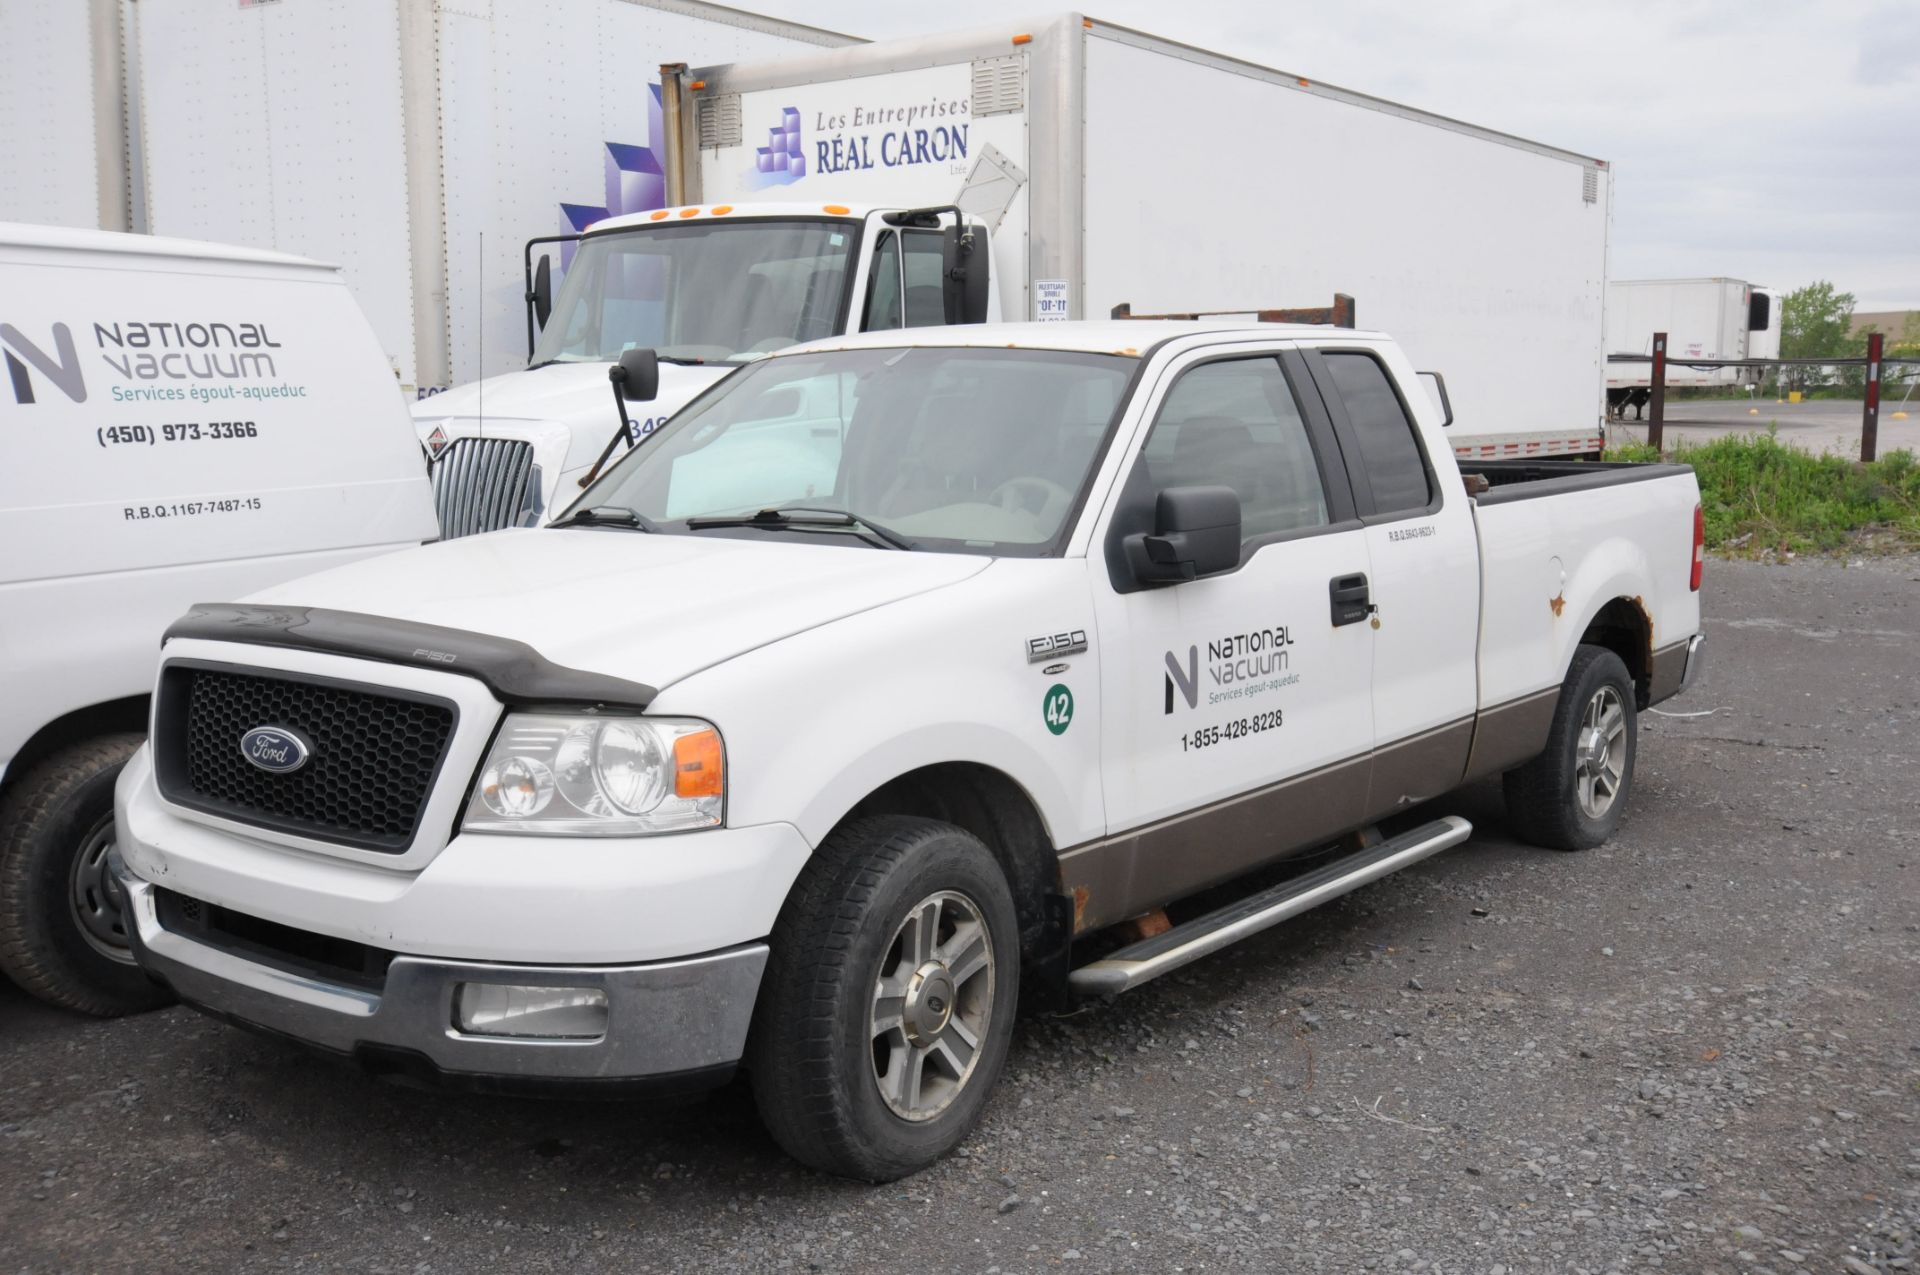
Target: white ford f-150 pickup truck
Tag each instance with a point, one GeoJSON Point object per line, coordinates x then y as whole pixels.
{"type": "Point", "coordinates": [806, 741]}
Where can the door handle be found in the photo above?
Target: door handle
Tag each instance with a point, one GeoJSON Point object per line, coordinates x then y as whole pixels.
{"type": "Point", "coordinates": [1350, 598]}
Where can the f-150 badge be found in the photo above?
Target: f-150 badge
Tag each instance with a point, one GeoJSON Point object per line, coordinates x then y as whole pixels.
{"type": "Point", "coordinates": [1052, 646]}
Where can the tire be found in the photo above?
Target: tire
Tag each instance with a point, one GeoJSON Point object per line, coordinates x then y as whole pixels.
{"type": "Point", "coordinates": [831, 1083]}
{"type": "Point", "coordinates": [1548, 798]}
{"type": "Point", "coordinates": [56, 825]}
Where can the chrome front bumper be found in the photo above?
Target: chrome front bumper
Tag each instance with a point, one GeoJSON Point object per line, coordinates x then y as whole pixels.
{"type": "Point", "coordinates": [665, 1018]}
{"type": "Point", "coordinates": [1696, 661]}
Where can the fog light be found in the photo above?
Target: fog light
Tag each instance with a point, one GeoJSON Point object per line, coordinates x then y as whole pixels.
{"type": "Point", "coordinates": [550, 1013]}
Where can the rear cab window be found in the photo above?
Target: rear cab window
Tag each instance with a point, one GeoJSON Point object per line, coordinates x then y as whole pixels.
{"type": "Point", "coordinates": [1391, 460]}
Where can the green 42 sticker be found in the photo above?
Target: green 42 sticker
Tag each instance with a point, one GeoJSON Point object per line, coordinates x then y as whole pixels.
{"type": "Point", "coordinates": [1057, 708]}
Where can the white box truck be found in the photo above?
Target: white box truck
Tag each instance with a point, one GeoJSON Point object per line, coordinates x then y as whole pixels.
{"type": "Point", "coordinates": [183, 421]}
{"type": "Point", "coordinates": [1108, 167]}
{"type": "Point", "coordinates": [1709, 319]}
{"type": "Point", "coordinates": [416, 143]}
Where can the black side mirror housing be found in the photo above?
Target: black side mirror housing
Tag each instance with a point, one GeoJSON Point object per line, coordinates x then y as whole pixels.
{"type": "Point", "coordinates": [637, 375]}
{"type": "Point", "coordinates": [964, 270]}
{"type": "Point", "coordinates": [540, 296]}
{"type": "Point", "coordinates": [1196, 533]}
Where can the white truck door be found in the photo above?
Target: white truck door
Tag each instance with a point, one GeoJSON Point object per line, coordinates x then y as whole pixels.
{"type": "Point", "coordinates": [1425, 579]}
{"type": "Point", "coordinates": [1234, 711]}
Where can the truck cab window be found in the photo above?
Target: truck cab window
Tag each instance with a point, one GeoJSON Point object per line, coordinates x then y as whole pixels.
{"type": "Point", "coordinates": [883, 286]}
{"type": "Point", "coordinates": [924, 267]}
{"type": "Point", "coordinates": [1389, 450]}
{"type": "Point", "coordinates": [1237, 424]}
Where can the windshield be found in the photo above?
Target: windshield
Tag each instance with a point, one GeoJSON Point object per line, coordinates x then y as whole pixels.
{"type": "Point", "coordinates": [970, 450]}
{"type": "Point", "coordinates": [711, 290]}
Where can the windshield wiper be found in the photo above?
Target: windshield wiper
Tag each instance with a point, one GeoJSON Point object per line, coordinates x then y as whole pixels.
{"type": "Point", "coordinates": [680, 359]}
{"type": "Point", "coordinates": [780, 518]}
{"type": "Point", "coordinates": [608, 516]}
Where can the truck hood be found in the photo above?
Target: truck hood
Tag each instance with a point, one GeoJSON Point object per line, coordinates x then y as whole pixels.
{"type": "Point", "coordinates": [565, 410]}
{"type": "Point", "coordinates": [651, 608]}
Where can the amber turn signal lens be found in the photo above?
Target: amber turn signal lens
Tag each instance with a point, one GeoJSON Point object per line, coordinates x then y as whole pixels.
{"type": "Point", "coordinates": [699, 770]}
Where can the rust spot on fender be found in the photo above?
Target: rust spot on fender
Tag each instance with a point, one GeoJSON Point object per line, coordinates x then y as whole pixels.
{"type": "Point", "coordinates": [1559, 603]}
{"type": "Point", "coordinates": [1646, 626]}
{"type": "Point", "coordinates": [1145, 926]}
{"type": "Point", "coordinates": [1080, 897]}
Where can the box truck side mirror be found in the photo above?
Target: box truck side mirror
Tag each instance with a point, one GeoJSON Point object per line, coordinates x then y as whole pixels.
{"type": "Point", "coordinates": [540, 295]}
{"type": "Point", "coordinates": [636, 375]}
{"type": "Point", "coordinates": [964, 268]}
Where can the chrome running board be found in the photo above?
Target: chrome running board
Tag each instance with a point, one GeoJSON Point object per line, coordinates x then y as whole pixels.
{"type": "Point", "coordinates": [1149, 958]}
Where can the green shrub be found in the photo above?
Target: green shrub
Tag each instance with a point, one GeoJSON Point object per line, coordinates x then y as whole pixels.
{"type": "Point", "coordinates": [1760, 496]}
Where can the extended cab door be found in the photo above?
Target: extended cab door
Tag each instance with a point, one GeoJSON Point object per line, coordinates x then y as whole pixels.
{"type": "Point", "coordinates": [1424, 582]}
{"type": "Point", "coordinates": [1238, 716]}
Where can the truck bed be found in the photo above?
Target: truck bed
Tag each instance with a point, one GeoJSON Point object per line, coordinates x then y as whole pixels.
{"type": "Point", "coordinates": [1556, 536]}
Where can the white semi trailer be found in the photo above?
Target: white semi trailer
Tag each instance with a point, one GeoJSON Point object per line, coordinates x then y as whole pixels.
{"type": "Point", "coordinates": [1708, 319]}
{"type": "Point", "coordinates": [1107, 167]}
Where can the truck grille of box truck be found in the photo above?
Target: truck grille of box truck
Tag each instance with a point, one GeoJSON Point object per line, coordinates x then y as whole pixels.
{"type": "Point", "coordinates": [484, 484]}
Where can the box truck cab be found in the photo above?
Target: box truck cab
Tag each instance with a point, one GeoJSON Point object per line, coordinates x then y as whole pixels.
{"type": "Point", "coordinates": [183, 421]}
{"type": "Point", "coordinates": [708, 288]}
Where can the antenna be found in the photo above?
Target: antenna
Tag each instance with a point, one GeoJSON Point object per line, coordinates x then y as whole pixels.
{"type": "Point", "coordinates": [480, 350]}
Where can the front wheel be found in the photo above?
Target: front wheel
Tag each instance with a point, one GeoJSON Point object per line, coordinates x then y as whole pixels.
{"type": "Point", "coordinates": [887, 1006]}
{"type": "Point", "coordinates": [62, 935]}
{"type": "Point", "coordinates": [1571, 796]}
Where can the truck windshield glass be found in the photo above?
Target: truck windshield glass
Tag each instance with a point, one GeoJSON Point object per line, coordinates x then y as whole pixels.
{"type": "Point", "coordinates": [961, 450]}
{"type": "Point", "coordinates": [711, 290]}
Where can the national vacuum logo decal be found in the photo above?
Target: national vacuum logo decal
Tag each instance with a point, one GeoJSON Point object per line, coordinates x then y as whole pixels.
{"type": "Point", "coordinates": [208, 354]}
{"type": "Point", "coordinates": [881, 135]}
{"type": "Point", "coordinates": [65, 373]}
{"type": "Point", "coordinates": [1240, 664]}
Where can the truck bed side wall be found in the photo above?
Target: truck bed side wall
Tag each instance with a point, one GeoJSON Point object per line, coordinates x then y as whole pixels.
{"type": "Point", "coordinates": [1216, 188]}
{"type": "Point", "coordinates": [1550, 563]}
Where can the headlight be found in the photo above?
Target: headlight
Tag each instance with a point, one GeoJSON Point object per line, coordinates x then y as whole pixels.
{"type": "Point", "coordinates": [599, 777]}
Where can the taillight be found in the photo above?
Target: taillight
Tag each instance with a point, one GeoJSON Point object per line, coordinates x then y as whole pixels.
{"type": "Point", "coordinates": [1699, 547]}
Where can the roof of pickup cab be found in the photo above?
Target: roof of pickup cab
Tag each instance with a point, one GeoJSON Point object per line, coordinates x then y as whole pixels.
{"type": "Point", "coordinates": [1131, 337]}
{"type": "Point", "coordinates": [15, 234]}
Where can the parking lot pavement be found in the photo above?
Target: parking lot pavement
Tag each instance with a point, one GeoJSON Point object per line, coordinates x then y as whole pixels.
{"type": "Point", "coordinates": [1817, 425]}
{"type": "Point", "coordinates": [1695, 1049]}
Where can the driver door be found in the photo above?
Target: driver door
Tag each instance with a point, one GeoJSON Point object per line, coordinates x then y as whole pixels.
{"type": "Point", "coordinates": [1238, 720]}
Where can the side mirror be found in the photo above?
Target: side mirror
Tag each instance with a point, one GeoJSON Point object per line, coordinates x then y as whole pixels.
{"type": "Point", "coordinates": [964, 267]}
{"type": "Point", "coordinates": [540, 296]}
{"type": "Point", "coordinates": [1440, 387]}
{"type": "Point", "coordinates": [1196, 533]}
{"type": "Point", "coordinates": [637, 375]}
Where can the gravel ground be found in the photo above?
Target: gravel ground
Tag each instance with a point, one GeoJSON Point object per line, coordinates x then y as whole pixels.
{"type": "Point", "coordinates": [1693, 1050]}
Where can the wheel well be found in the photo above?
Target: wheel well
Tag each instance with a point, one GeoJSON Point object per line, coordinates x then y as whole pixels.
{"type": "Point", "coordinates": [110, 718]}
{"type": "Point", "coordinates": [1622, 627]}
{"type": "Point", "coordinates": [994, 808]}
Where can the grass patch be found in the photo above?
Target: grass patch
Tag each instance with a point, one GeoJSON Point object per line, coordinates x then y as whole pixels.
{"type": "Point", "coordinates": [1763, 498]}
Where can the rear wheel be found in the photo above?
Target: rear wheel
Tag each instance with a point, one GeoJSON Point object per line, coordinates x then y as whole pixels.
{"type": "Point", "coordinates": [62, 935]}
{"type": "Point", "coordinates": [887, 1006]}
{"type": "Point", "coordinates": [1572, 796]}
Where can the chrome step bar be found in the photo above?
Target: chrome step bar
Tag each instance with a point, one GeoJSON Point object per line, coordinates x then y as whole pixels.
{"type": "Point", "coordinates": [1150, 958]}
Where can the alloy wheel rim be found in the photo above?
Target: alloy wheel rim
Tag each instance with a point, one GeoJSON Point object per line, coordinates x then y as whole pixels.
{"type": "Point", "coordinates": [94, 896]}
{"type": "Point", "coordinates": [1600, 753]}
{"type": "Point", "coordinates": [932, 1003]}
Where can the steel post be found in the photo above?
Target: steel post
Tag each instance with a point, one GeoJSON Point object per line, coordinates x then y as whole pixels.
{"type": "Point", "coordinates": [1657, 401]}
{"type": "Point", "coordinates": [1870, 415]}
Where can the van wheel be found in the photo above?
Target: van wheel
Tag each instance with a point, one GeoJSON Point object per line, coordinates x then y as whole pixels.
{"type": "Point", "coordinates": [62, 937]}
{"type": "Point", "coordinates": [1571, 796]}
{"type": "Point", "coordinates": [888, 1001]}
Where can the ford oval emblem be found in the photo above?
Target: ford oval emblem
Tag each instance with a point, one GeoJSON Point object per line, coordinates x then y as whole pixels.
{"type": "Point", "coordinates": [279, 749]}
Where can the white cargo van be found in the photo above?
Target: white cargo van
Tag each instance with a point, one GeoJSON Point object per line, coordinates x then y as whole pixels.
{"type": "Point", "coordinates": [183, 421]}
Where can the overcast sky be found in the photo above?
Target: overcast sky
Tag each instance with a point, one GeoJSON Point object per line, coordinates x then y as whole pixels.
{"type": "Point", "coordinates": [1762, 140]}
